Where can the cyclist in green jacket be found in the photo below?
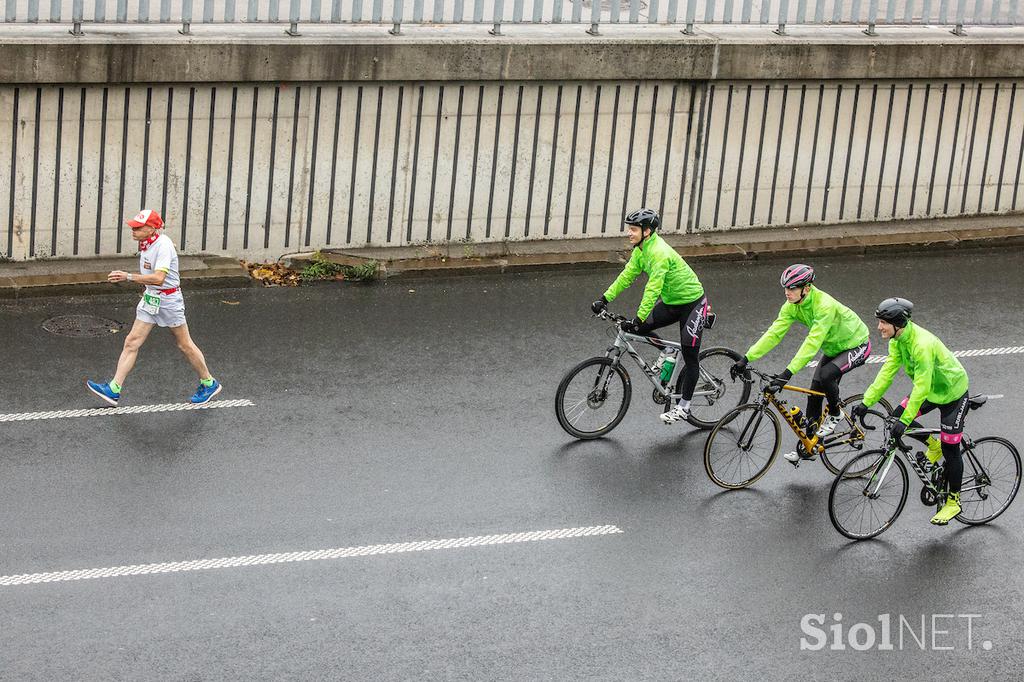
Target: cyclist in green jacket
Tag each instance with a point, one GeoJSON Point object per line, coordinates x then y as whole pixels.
{"type": "Point", "coordinates": [940, 382]}
{"type": "Point", "coordinates": [672, 294]}
{"type": "Point", "coordinates": [835, 330]}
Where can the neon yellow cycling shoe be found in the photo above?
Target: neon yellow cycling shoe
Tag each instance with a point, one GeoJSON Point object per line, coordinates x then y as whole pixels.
{"type": "Point", "coordinates": [948, 511]}
{"type": "Point", "coordinates": [934, 453]}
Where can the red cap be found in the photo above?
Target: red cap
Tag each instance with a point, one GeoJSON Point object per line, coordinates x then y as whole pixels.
{"type": "Point", "coordinates": [146, 218]}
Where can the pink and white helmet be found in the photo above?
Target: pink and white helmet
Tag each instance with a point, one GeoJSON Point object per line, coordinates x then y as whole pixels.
{"type": "Point", "coordinates": [797, 276]}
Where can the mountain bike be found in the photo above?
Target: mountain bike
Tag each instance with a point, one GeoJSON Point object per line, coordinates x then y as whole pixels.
{"type": "Point", "coordinates": [744, 443]}
{"type": "Point", "coordinates": [594, 396]}
{"type": "Point", "coordinates": [869, 493]}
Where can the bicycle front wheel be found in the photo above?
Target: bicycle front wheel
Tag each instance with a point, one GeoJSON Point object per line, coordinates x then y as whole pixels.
{"type": "Point", "coordinates": [849, 439]}
{"type": "Point", "coordinates": [742, 446]}
{"type": "Point", "coordinates": [593, 398]}
{"type": "Point", "coordinates": [991, 480]}
{"type": "Point", "coordinates": [715, 393]}
{"type": "Point", "coordinates": [868, 494]}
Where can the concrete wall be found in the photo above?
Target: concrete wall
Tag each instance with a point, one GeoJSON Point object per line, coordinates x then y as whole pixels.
{"type": "Point", "coordinates": [257, 171]}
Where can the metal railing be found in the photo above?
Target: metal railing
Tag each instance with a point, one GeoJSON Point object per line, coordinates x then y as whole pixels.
{"type": "Point", "coordinates": [496, 13]}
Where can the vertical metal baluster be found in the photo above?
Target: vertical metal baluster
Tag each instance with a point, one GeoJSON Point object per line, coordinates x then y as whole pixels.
{"type": "Point", "coordinates": [293, 18]}
{"type": "Point", "coordinates": [872, 17]}
{"type": "Point", "coordinates": [77, 11]}
{"type": "Point", "coordinates": [438, 11]}
{"type": "Point", "coordinates": [186, 17]}
{"type": "Point", "coordinates": [783, 17]}
{"type": "Point", "coordinates": [396, 19]}
{"type": "Point", "coordinates": [745, 17]}
{"type": "Point", "coordinates": [691, 14]}
{"type": "Point", "coordinates": [961, 10]}
{"type": "Point", "coordinates": [595, 17]}
{"type": "Point", "coordinates": [499, 11]}
{"type": "Point", "coordinates": [478, 11]}
{"type": "Point", "coordinates": [165, 11]}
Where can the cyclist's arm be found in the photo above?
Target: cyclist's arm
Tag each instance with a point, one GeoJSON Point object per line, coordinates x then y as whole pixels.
{"type": "Point", "coordinates": [771, 338]}
{"type": "Point", "coordinates": [625, 278]}
{"type": "Point", "coordinates": [884, 379]}
{"type": "Point", "coordinates": [923, 372]}
{"type": "Point", "coordinates": [652, 291]}
{"type": "Point", "coordinates": [812, 344]}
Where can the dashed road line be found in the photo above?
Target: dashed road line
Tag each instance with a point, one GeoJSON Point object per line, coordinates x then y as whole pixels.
{"type": "Point", "coordinates": [112, 411]}
{"type": "Point", "coordinates": [314, 555]}
{"type": "Point", "coordinates": [1006, 350]}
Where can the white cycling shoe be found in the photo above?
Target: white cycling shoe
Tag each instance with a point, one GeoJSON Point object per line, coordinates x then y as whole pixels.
{"type": "Point", "coordinates": [677, 413]}
{"type": "Point", "coordinates": [828, 426]}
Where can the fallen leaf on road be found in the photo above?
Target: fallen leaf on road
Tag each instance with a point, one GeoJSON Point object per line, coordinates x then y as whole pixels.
{"type": "Point", "coordinates": [231, 302]}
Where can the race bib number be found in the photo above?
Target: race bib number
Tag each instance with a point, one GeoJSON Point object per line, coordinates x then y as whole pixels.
{"type": "Point", "coordinates": [151, 303]}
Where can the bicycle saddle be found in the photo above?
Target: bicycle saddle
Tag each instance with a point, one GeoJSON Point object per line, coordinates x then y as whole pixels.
{"type": "Point", "coordinates": [976, 401]}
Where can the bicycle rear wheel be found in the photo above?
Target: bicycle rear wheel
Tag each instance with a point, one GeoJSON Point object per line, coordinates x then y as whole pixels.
{"type": "Point", "coordinates": [846, 442]}
{"type": "Point", "coordinates": [715, 394]}
{"type": "Point", "coordinates": [742, 446]}
{"type": "Point", "coordinates": [863, 505]}
{"type": "Point", "coordinates": [592, 398]}
{"type": "Point", "coordinates": [991, 480]}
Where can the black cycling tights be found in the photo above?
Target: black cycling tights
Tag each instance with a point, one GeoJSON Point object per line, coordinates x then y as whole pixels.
{"type": "Point", "coordinates": [691, 317]}
{"type": "Point", "coordinates": [827, 376]}
{"type": "Point", "coordinates": [951, 419]}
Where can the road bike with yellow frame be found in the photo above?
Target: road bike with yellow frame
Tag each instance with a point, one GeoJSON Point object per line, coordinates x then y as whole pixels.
{"type": "Point", "coordinates": [744, 443]}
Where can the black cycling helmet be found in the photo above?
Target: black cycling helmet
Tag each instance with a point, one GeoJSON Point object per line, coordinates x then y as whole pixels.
{"type": "Point", "coordinates": [644, 218]}
{"type": "Point", "coordinates": [895, 311]}
{"type": "Point", "coordinates": [797, 276]}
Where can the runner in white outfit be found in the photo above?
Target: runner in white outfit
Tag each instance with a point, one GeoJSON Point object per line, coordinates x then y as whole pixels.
{"type": "Point", "coordinates": [162, 305]}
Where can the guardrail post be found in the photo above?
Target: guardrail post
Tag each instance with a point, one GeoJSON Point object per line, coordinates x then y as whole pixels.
{"type": "Point", "coordinates": [76, 29]}
{"type": "Point", "coordinates": [781, 30]}
{"type": "Point", "coordinates": [396, 29]}
{"type": "Point", "coordinates": [870, 30]}
{"type": "Point", "coordinates": [186, 29]}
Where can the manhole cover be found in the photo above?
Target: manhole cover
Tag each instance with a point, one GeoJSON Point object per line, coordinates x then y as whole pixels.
{"type": "Point", "coordinates": [82, 326]}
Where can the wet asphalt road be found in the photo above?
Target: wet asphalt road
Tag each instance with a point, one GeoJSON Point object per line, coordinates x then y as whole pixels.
{"type": "Point", "coordinates": [385, 415]}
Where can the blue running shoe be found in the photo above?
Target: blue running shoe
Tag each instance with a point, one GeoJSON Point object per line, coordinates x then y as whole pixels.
{"type": "Point", "coordinates": [204, 393]}
{"type": "Point", "coordinates": [104, 392]}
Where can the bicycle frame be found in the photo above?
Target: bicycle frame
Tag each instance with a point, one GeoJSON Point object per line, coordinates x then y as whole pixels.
{"type": "Point", "coordinates": [892, 447]}
{"type": "Point", "coordinates": [811, 443]}
{"type": "Point", "coordinates": [622, 345]}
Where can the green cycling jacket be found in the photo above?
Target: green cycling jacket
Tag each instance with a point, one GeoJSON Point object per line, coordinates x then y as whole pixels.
{"type": "Point", "coordinates": [669, 277]}
{"type": "Point", "coordinates": [938, 376]}
{"type": "Point", "coordinates": [834, 328]}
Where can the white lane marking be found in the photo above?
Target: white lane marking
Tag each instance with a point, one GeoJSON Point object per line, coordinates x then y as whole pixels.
{"type": "Point", "coordinates": [1009, 350]}
{"type": "Point", "coordinates": [314, 555]}
{"type": "Point", "coordinates": [111, 411]}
